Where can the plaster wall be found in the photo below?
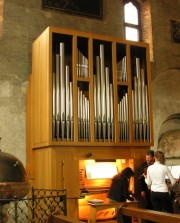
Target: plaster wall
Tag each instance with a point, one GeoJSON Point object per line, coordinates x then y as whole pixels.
{"type": "Point", "coordinates": [24, 20]}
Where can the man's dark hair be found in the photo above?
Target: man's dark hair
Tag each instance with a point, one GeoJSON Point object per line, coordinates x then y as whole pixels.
{"type": "Point", "coordinates": [150, 153]}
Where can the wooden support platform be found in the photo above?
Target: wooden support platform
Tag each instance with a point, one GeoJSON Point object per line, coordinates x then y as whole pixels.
{"type": "Point", "coordinates": [94, 208]}
{"type": "Point", "coordinates": [63, 219]}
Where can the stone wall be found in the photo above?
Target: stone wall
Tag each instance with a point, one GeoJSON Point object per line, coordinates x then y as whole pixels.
{"type": "Point", "coordinates": [24, 20]}
{"type": "Point", "coordinates": [169, 144]}
{"type": "Point", "coordinates": [166, 65]}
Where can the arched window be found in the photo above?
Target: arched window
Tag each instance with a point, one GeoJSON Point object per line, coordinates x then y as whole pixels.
{"type": "Point", "coordinates": [131, 21]}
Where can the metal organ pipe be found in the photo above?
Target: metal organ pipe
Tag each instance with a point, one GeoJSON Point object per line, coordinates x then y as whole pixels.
{"type": "Point", "coordinates": [62, 98]}
{"type": "Point", "coordinates": [83, 116]}
{"type": "Point", "coordinates": [54, 106]}
{"type": "Point", "coordinates": [103, 103]}
{"type": "Point", "coordinates": [71, 110]}
{"type": "Point", "coordinates": [62, 91]}
{"type": "Point", "coordinates": [62, 109]}
{"type": "Point", "coordinates": [67, 97]}
{"type": "Point", "coordinates": [140, 105]}
{"type": "Point", "coordinates": [95, 105]}
{"type": "Point", "coordinates": [82, 65]}
{"type": "Point", "coordinates": [103, 94]}
{"type": "Point", "coordinates": [107, 103]}
{"type": "Point", "coordinates": [123, 110]}
{"type": "Point", "coordinates": [57, 89]}
{"type": "Point", "coordinates": [98, 90]}
{"type": "Point", "coordinates": [111, 112]}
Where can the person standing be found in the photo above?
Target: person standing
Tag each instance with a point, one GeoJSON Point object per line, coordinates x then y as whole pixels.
{"type": "Point", "coordinates": [156, 180]}
{"type": "Point", "coordinates": [144, 190]}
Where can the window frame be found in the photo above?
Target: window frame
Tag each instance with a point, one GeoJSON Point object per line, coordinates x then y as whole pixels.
{"type": "Point", "coordinates": [130, 25]}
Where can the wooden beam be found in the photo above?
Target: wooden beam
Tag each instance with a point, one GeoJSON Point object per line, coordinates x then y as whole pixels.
{"type": "Point", "coordinates": [63, 219]}
{"type": "Point", "coordinates": [144, 214]}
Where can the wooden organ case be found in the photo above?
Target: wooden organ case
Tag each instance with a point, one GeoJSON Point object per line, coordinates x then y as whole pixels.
{"type": "Point", "coordinates": [89, 96]}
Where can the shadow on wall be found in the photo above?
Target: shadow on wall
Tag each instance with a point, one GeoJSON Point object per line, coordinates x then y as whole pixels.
{"type": "Point", "coordinates": [169, 139]}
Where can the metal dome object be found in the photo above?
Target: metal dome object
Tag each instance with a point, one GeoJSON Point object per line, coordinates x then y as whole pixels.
{"type": "Point", "coordinates": [13, 177]}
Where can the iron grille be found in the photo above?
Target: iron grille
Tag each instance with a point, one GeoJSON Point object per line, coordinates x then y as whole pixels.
{"type": "Point", "coordinates": [37, 207]}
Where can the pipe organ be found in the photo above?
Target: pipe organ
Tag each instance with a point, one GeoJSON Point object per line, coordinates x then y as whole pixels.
{"type": "Point", "coordinates": [89, 97]}
{"type": "Point", "coordinates": [62, 104]}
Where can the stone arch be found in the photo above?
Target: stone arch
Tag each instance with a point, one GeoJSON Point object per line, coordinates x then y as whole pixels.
{"type": "Point", "coordinates": [169, 138]}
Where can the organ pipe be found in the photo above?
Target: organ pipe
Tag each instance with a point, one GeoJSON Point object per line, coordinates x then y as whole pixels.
{"type": "Point", "coordinates": [71, 110]}
{"type": "Point", "coordinates": [83, 116]}
{"type": "Point", "coordinates": [103, 93]}
{"type": "Point", "coordinates": [123, 112]}
{"type": "Point", "coordinates": [62, 109]}
{"type": "Point", "coordinates": [57, 96]}
{"type": "Point", "coordinates": [122, 70]}
{"type": "Point", "coordinates": [82, 64]}
{"type": "Point", "coordinates": [62, 98]}
{"type": "Point", "coordinates": [140, 105]}
{"type": "Point", "coordinates": [67, 102]}
{"type": "Point", "coordinates": [54, 106]}
{"type": "Point", "coordinates": [62, 91]}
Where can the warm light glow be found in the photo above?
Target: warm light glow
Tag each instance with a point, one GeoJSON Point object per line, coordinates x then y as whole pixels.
{"type": "Point", "coordinates": [101, 170]}
{"type": "Point", "coordinates": [89, 161]}
{"type": "Point", "coordinates": [131, 34]}
{"type": "Point", "coordinates": [131, 14]}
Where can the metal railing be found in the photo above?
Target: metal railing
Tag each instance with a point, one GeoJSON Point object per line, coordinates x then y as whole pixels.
{"type": "Point", "coordinates": [36, 207]}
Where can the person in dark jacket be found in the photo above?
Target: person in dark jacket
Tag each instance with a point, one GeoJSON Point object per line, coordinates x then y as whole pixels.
{"type": "Point", "coordinates": [144, 190]}
{"type": "Point", "coordinates": [119, 188]}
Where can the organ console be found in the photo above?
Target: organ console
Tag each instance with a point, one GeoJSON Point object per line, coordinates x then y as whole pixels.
{"type": "Point", "coordinates": [95, 179]}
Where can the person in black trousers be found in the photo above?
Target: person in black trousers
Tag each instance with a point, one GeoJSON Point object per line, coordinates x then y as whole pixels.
{"type": "Point", "coordinates": [144, 190]}
{"type": "Point", "coordinates": [156, 180]}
